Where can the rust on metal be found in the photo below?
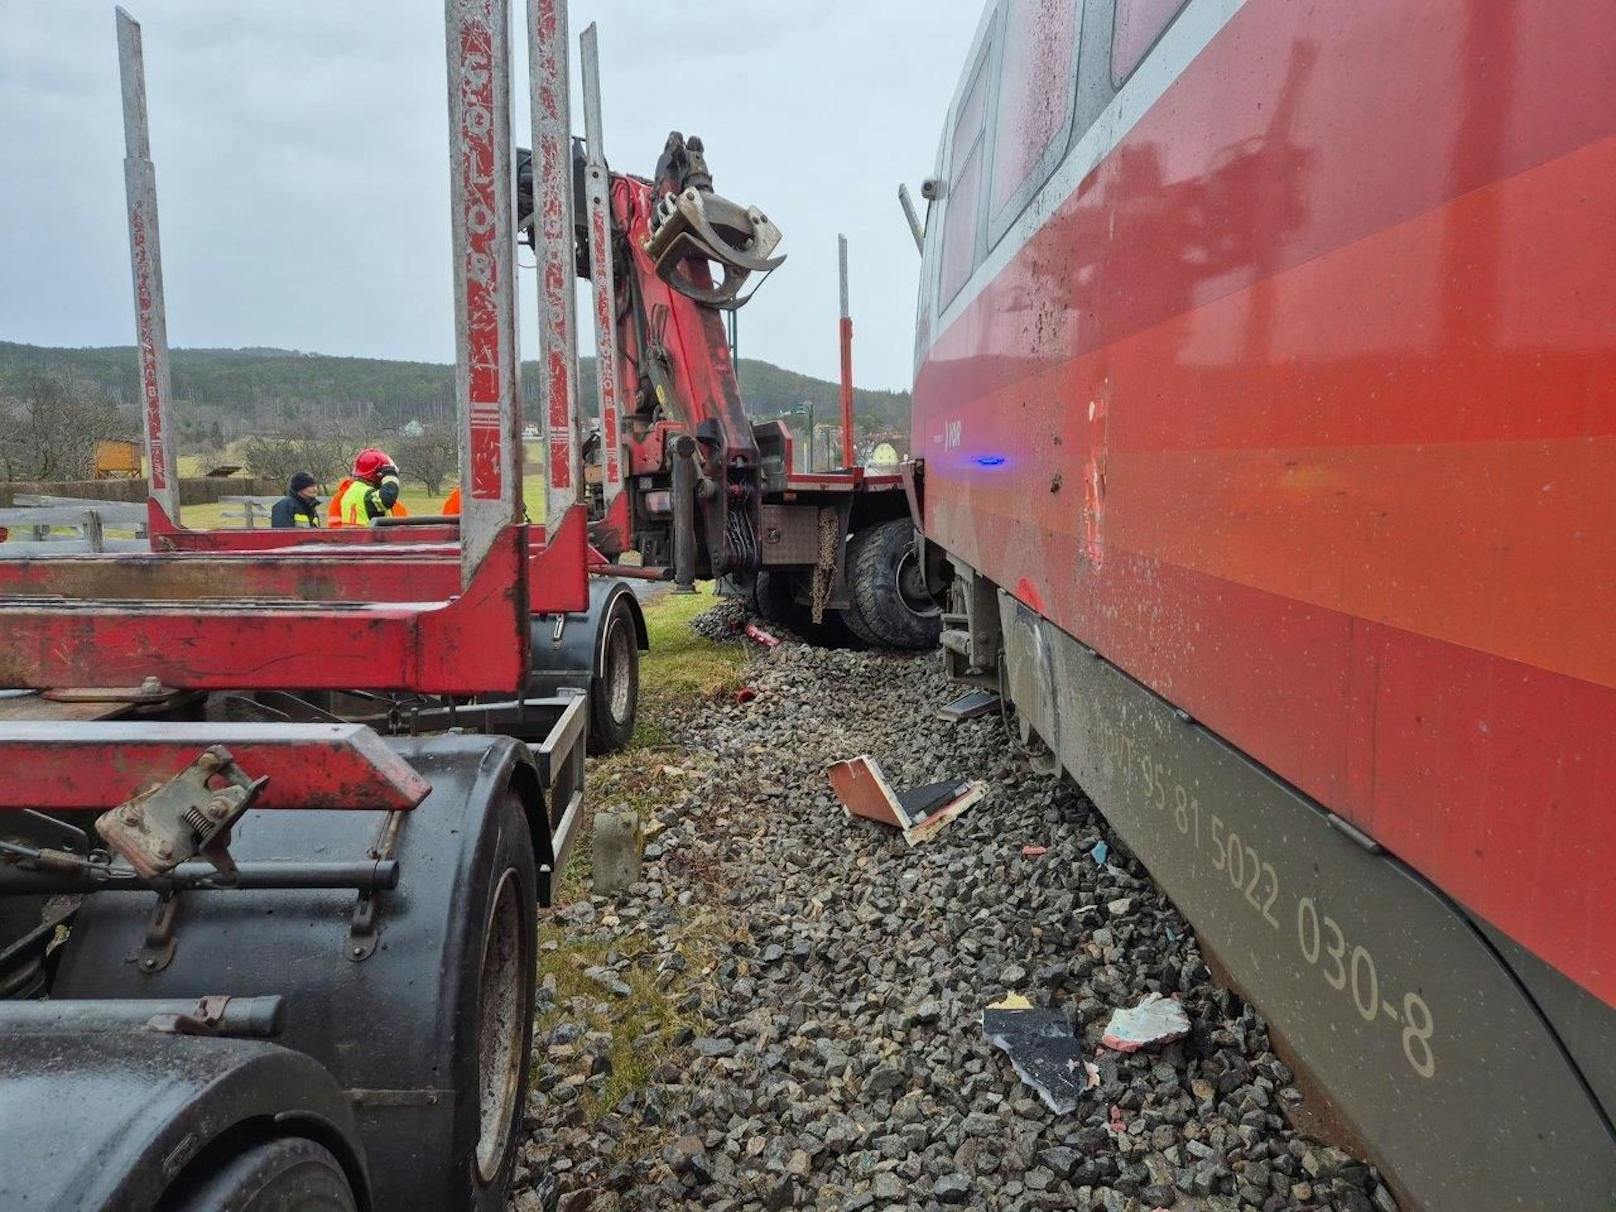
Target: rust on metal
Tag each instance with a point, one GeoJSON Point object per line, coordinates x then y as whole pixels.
{"type": "Point", "coordinates": [597, 193]}
{"type": "Point", "coordinates": [146, 269]}
{"type": "Point", "coordinates": [54, 767]}
{"type": "Point", "coordinates": [553, 247]}
{"type": "Point", "coordinates": [187, 816]}
{"type": "Point", "coordinates": [481, 183]}
{"type": "Point", "coordinates": [36, 708]}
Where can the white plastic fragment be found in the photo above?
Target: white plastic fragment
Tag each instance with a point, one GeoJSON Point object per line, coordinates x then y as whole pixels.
{"type": "Point", "coordinates": [1155, 1021]}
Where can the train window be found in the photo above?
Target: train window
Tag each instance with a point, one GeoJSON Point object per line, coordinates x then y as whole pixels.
{"type": "Point", "coordinates": [962, 198]}
{"type": "Point", "coordinates": [1036, 84]}
{"type": "Point", "coordinates": [1139, 24]}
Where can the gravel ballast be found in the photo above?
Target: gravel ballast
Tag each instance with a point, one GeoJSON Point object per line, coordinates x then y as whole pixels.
{"type": "Point", "coordinates": [817, 988]}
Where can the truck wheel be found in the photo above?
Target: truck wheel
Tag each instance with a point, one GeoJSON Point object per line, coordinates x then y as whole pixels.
{"type": "Point", "coordinates": [858, 628]}
{"type": "Point", "coordinates": [888, 587]}
{"type": "Point", "coordinates": [614, 695]}
{"type": "Point", "coordinates": [774, 599]}
{"type": "Point", "coordinates": [505, 990]}
{"type": "Point", "coordinates": [287, 1175]}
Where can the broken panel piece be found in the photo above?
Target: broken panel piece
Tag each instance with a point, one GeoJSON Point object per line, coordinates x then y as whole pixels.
{"type": "Point", "coordinates": [968, 706]}
{"type": "Point", "coordinates": [1041, 1046]}
{"type": "Point", "coordinates": [920, 812]}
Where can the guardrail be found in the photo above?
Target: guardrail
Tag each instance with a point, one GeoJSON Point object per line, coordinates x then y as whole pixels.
{"type": "Point", "coordinates": [40, 517]}
{"type": "Point", "coordinates": [250, 511]}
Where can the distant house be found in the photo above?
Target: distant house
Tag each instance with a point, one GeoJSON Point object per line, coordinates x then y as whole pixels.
{"type": "Point", "coordinates": [118, 458]}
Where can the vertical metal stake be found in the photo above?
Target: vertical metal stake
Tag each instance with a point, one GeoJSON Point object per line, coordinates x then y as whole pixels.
{"type": "Point", "coordinates": [483, 201]}
{"type": "Point", "coordinates": [553, 243]}
{"type": "Point", "coordinates": [597, 193]}
{"type": "Point", "coordinates": [847, 360]}
{"type": "Point", "coordinates": [146, 267]}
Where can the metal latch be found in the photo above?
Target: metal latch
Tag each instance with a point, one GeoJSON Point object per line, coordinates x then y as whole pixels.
{"type": "Point", "coordinates": [203, 1020]}
{"type": "Point", "coordinates": [187, 817]}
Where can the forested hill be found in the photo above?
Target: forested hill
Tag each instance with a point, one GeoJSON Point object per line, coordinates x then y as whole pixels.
{"type": "Point", "coordinates": [251, 387]}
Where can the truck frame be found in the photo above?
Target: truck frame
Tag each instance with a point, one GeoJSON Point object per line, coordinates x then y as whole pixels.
{"type": "Point", "coordinates": [277, 808]}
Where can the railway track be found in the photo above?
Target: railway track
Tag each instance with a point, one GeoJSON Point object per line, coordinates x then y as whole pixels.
{"type": "Point", "coordinates": [813, 1034]}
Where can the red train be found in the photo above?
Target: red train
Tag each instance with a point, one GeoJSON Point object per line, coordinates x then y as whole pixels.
{"type": "Point", "coordinates": [1266, 395]}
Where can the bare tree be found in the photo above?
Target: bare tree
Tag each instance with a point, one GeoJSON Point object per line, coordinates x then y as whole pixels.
{"type": "Point", "coordinates": [278, 459]}
{"type": "Point", "coordinates": [431, 456]}
{"type": "Point", "coordinates": [49, 432]}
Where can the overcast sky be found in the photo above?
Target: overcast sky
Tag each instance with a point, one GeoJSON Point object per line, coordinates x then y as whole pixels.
{"type": "Point", "coordinates": [303, 175]}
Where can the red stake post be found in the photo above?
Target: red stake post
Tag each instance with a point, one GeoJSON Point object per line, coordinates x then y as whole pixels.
{"type": "Point", "coordinates": [146, 268]}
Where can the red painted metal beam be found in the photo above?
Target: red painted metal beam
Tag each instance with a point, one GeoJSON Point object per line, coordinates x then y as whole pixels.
{"type": "Point", "coordinates": [63, 767]}
{"type": "Point", "coordinates": [204, 576]}
{"type": "Point", "coordinates": [374, 573]}
{"type": "Point", "coordinates": [274, 540]}
{"type": "Point", "coordinates": [477, 643]}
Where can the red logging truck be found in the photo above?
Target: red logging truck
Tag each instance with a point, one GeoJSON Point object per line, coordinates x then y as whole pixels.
{"type": "Point", "coordinates": [277, 808]}
{"type": "Point", "coordinates": [688, 481]}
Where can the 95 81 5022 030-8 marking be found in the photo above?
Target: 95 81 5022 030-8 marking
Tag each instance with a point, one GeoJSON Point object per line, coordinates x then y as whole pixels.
{"type": "Point", "coordinates": [1253, 880]}
{"type": "Point", "coordinates": [1389, 993]}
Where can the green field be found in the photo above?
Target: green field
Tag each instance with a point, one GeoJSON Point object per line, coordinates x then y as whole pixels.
{"type": "Point", "coordinates": [415, 496]}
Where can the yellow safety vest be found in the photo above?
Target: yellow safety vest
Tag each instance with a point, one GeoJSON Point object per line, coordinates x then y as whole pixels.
{"type": "Point", "coordinates": [354, 509]}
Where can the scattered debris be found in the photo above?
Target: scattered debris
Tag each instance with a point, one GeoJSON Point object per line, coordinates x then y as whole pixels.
{"type": "Point", "coordinates": [1034, 851]}
{"type": "Point", "coordinates": [744, 695]}
{"type": "Point", "coordinates": [808, 958]}
{"type": "Point", "coordinates": [968, 706]}
{"type": "Point", "coordinates": [1154, 1021]}
{"type": "Point", "coordinates": [757, 635]}
{"type": "Point", "coordinates": [1100, 853]}
{"type": "Point", "coordinates": [1041, 1046]}
{"type": "Point", "coordinates": [921, 812]}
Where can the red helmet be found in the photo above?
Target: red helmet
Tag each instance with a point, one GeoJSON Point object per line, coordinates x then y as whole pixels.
{"type": "Point", "coordinates": [368, 462]}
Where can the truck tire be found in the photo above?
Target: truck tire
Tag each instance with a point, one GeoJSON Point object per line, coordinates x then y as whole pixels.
{"type": "Point", "coordinates": [502, 1043]}
{"type": "Point", "coordinates": [430, 1031]}
{"type": "Point", "coordinates": [774, 599]}
{"type": "Point", "coordinates": [614, 695]}
{"type": "Point", "coordinates": [859, 628]}
{"type": "Point", "coordinates": [291, 1174]}
{"type": "Point", "coordinates": [889, 595]}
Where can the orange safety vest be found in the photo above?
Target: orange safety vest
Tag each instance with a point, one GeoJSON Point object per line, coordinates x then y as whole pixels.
{"type": "Point", "coordinates": [334, 510]}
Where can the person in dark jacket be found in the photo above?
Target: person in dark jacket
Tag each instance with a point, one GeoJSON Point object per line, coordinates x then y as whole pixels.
{"type": "Point", "coordinates": [300, 505]}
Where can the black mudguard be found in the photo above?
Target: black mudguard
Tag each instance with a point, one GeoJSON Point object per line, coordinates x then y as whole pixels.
{"type": "Point", "coordinates": [381, 1022]}
{"type": "Point", "coordinates": [573, 660]}
{"type": "Point", "coordinates": [105, 1121]}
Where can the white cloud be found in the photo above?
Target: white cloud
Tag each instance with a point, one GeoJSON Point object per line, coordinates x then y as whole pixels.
{"type": "Point", "coordinates": [302, 164]}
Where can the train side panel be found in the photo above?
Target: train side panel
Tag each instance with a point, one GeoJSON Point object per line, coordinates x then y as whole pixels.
{"type": "Point", "coordinates": [1292, 394]}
